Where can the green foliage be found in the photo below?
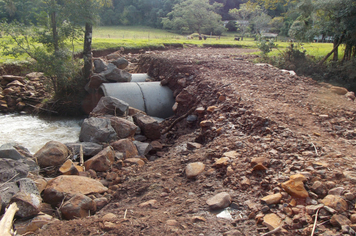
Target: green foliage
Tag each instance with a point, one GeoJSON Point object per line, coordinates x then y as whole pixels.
{"type": "Point", "coordinates": [192, 16]}
{"type": "Point", "coordinates": [265, 46]}
{"type": "Point", "coordinates": [59, 67]}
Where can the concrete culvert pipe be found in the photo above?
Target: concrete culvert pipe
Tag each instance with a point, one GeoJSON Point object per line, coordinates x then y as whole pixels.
{"type": "Point", "coordinates": [140, 77]}
{"type": "Point", "coordinates": [152, 98]}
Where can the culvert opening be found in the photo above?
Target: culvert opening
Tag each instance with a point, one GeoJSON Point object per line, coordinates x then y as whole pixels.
{"type": "Point", "coordinates": [151, 97]}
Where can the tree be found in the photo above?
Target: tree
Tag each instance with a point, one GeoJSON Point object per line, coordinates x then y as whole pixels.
{"type": "Point", "coordinates": [194, 16]}
{"type": "Point", "coordinates": [333, 18]}
{"type": "Point", "coordinates": [243, 15]}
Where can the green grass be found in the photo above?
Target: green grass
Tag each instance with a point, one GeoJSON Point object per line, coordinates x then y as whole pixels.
{"type": "Point", "coordinates": [137, 37]}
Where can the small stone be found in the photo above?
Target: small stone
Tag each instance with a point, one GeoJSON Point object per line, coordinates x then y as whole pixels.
{"type": "Point", "coordinates": [109, 217]}
{"type": "Point", "coordinates": [231, 154]}
{"type": "Point", "coordinates": [295, 186]}
{"type": "Point", "coordinates": [194, 169]}
{"type": "Point", "coordinates": [100, 202]}
{"type": "Point", "coordinates": [200, 110]}
{"type": "Point", "coordinates": [339, 90]}
{"type": "Point", "coordinates": [192, 145]}
{"type": "Point", "coordinates": [350, 175]}
{"type": "Point", "coordinates": [320, 189]}
{"type": "Point", "coordinates": [335, 202]}
{"type": "Point", "coordinates": [211, 108]}
{"type": "Point", "coordinates": [206, 123]}
{"type": "Point", "coordinates": [219, 201]}
{"type": "Point", "coordinates": [110, 226]}
{"type": "Point", "coordinates": [198, 218]}
{"type": "Point", "coordinates": [272, 221]}
{"type": "Point", "coordinates": [272, 199]}
{"type": "Point", "coordinates": [353, 218]}
{"type": "Point", "coordinates": [259, 167]}
{"type": "Point", "coordinates": [311, 210]}
{"type": "Point", "coordinates": [339, 220]}
{"type": "Point", "coordinates": [172, 223]}
{"type": "Point", "coordinates": [336, 191]}
{"type": "Point", "coordinates": [349, 196]}
{"type": "Point", "coordinates": [151, 203]}
{"type": "Point", "coordinates": [224, 161]}
{"type": "Point", "coordinates": [136, 161]}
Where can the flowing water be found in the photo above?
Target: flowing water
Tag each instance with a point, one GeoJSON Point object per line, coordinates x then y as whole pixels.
{"type": "Point", "coordinates": [33, 132]}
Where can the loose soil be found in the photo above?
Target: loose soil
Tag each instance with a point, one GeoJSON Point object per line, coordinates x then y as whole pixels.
{"type": "Point", "coordinates": [295, 123]}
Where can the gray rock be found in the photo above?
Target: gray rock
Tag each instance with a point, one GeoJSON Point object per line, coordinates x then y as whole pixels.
{"type": "Point", "coordinates": [27, 185]}
{"type": "Point", "coordinates": [11, 169]}
{"type": "Point", "coordinates": [111, 106]}
{"type": "Point", "coordinates": [99, 65]}
{"type": "Point", "coordinates": [120, 63]}
{"type": "Point", "coordinates": [97, 130]}
{"type": "Point", "coordinates": [89, 149]}
{"type": "Point", "coordinates": [51, 154]}
{"type": "Point", "coordinates": [8, 190]}
{"type": "Point", "coordinates": [112, 73]}
{"type": "Point", "coordinates": [142, 148]}
{"type": "Point", "coordinates": [8, 151]}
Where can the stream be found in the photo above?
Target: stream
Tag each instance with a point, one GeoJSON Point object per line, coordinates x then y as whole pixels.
{"type": "Point", "coordinates": [33, 132]}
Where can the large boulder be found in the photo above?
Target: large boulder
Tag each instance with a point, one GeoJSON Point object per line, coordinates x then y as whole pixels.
{"type": "Point", "coordinates": [63, 185]}
{"type": "Point", "coordinates": [123, 127]}
{"type": "Point", "coordinates": [28, 203]}
{"type": "Point", "coordinates": [96, 80]}
{"type": "Point", "coordinates": [9, 151]}
{"type": "Point", "coordinates": [52, 153]}
{"type": "Point", "coordinates": [149, 126]}
{"type": "Point", "coordinates": [8, 190]}
{"type": "Point", "coordinates": [99, 65]}
{"type": "Point", "coordinates": [101, 161]}
{"type": "Point", "coordinates": [114, 74]}
{"type": "Point", "coordinates": [78, 206]}
{"type": "Point", "coordinates": [97, 130]}
{"type": "Point", "coordinates": [16, 169]}
{"type": "Point", "coordinates": [111, 106]}
{"type": "Point", "coordinates": [125, 146]}
{"type": "Point", "coordinates": [142, 148]}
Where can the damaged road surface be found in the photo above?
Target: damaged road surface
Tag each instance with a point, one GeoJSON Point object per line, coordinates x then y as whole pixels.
{"type": "Point", "coordinates": [251, 149]}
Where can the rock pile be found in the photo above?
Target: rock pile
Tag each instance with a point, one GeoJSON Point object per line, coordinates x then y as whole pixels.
{"type": "Point", "coordinates": [110, 71]}
{"type": "Point", "coordinates": [21, 93]}
{"type": "Point", "coordinates": [73, 178]}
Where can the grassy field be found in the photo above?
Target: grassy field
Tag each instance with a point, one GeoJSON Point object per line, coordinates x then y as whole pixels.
{"type": "Point", "coordinates": [132, 37]}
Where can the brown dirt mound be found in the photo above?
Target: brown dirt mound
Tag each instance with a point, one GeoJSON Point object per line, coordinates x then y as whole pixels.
{"type": "Point", "coordinates": [258, 111]}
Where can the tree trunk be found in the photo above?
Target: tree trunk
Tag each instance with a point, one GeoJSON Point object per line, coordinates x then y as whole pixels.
{"type": "Point", "coordinates": [54, 31]}
{"type": "Point", "coordinates": [88, 59]}
{"type": "Point", "coordinates": [336, 52]}
{"type": "Point", "coordinates": [334, 49]}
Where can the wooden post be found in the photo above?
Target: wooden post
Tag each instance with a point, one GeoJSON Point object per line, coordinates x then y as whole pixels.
{"type": "Point", "coordinates": [7, 219]}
